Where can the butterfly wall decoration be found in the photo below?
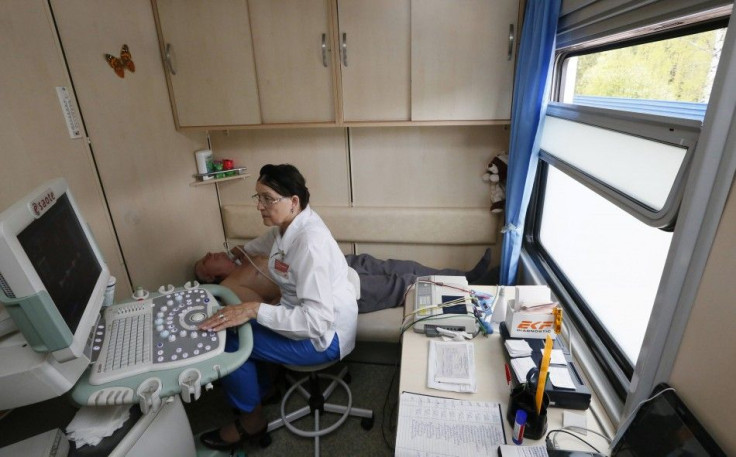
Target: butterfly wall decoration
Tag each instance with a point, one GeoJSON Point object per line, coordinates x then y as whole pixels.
{"type": "Point", "coordinates": [125, 61]}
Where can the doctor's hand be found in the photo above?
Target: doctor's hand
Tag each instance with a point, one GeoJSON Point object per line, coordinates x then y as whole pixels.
{"type": "Point", "coordinates": [231, 316]}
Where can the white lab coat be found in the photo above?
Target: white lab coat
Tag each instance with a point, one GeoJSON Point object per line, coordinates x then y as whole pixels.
{"type": "Point", "coordinates": [317, 299]}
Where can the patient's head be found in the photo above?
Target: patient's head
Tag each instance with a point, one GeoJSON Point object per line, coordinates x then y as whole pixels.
{"type": "Point", "coordinates": [213, 268]}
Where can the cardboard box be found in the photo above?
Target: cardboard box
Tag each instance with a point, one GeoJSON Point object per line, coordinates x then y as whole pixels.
{"type": "Point", "coordinates": [522, 320]}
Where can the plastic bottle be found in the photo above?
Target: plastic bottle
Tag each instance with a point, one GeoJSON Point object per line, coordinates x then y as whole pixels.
{"type": "Point", "coordinates": [519, 424]}
{"type": "Point", "coordinates": [110, 292]}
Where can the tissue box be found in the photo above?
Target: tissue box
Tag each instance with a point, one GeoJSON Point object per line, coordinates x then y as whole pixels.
{"type": "Point", "coordinates": [528, 323]}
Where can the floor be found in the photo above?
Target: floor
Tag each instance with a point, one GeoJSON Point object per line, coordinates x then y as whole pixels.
{"type": "Point", "coordinates": [374, 385]}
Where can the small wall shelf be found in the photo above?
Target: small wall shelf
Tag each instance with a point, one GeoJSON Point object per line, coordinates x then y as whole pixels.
{"type": "Point", "coordinates": [241, 174]}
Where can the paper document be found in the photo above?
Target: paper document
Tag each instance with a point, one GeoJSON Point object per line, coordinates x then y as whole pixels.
{"type": "Point", "coordinates": [518, 348]}
{"type": "Point", "coordinates": [432, 426]}
{"type": "Point", "coordinates": [508, 450]}
{"type": "Point", "coordinates": [560, 377]}
{"type": "Point", "coordinates": [451, 366]}
{"type": "Point", "coordinates": [558, 357]}
{"type": "Point", "coordinates": [521, 366]}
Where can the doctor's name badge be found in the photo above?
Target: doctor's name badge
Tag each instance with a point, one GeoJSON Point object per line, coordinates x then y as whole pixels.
{"type": "Point", "coordinates": [281, 267]}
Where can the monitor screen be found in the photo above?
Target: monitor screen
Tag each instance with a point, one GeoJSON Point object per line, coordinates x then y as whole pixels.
{"type": "Point", "coordinates": [54, 277]}
{"type": "Point", "coordinates": [663, 426]}
{"type": "Point", "coordinates": [46, 245]}
{"type": "Point", "coordinates": [60, 253]}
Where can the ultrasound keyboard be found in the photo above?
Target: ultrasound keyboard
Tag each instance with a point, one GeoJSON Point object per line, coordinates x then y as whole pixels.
{"type": "Point", "coordinates": [154, 334]}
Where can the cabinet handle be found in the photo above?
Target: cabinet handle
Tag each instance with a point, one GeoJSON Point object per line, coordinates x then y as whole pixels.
{"type": "Point", "coordinates": [344, 47]}
{"type": "Point", "coordinates": [324, 49]}
{"type": "Point", "coordinates": [511, 42]}
{"type": "Point", "coordinates": [168, 58]}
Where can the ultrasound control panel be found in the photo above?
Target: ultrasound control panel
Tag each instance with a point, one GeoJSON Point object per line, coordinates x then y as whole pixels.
{"type": "Point", "coordinates": [175, 320]}
{"type": "Point", "coordinates": [156, 333]}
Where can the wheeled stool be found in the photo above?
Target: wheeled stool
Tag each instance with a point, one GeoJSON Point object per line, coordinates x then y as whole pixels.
{"type": "Point", "coordinates": [317, 403]}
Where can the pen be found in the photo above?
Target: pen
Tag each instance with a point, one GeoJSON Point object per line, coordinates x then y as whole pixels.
{"type": "Point", "coordinates": [508, 374]}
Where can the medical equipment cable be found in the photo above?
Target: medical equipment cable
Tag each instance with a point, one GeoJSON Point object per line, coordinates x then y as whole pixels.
{"type": "Point", "coordinates": [387, 408]}
{"type": "Point", "coordinates": [268, 276]}
{"type": "Point", "coordinates": [551, 445]}
{"type": "Point", "coordinates": [576, 428]}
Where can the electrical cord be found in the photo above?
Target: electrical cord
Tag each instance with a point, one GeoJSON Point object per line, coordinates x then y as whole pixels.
{"type": "Point", "coordinates": [388, 410]}
{"type": "Point", "coordinates": [268, 276]}
{"type": "Point", "coordinates": [578, 428]}
{"type": "Point", "coordinates": [552, 445]}
{"type": "Point", "coordinates": [625, 423]}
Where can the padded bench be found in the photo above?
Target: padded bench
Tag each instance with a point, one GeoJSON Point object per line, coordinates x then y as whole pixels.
{"type": "Point", "coordinates": [358, 230]}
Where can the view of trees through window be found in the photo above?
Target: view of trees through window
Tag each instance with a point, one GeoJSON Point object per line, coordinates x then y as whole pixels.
{"type": "Point", "coordinates": [679, 69]}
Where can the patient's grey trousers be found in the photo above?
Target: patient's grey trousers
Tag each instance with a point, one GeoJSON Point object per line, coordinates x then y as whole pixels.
{"type": "Point", "coordinates": [383, 283]}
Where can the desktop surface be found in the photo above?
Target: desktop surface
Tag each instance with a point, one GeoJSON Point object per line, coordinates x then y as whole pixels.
{"type": "Point", "coordinates": [491, 378]}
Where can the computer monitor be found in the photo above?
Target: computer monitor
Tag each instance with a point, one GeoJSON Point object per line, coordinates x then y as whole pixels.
{"type": "Point", "coordinates": [664, 426]}
{"type": "Point", "coordinates": [52, 279]}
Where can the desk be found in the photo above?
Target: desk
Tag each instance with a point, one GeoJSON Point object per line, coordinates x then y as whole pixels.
{"type": "Point", "coordinates": [489, 366]}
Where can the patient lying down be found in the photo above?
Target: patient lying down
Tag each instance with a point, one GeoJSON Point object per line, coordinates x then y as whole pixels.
{"type": "Point", "coordinates": [383, 283]}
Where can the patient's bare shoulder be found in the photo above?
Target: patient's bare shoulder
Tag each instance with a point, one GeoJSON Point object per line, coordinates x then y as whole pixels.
{"type": "Point", "coordinates": [249, 284]}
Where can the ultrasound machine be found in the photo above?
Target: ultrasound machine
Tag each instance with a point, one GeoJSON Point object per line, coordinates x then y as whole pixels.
{"type": "Point", "coordinates": [57, 339]}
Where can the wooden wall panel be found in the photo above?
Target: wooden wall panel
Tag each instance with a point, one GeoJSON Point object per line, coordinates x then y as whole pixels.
{"type": "Point", "coordinates": [707, 349]}
{"type": "Point", "coordinates": [424, 166]}
{"type": "Point", "coordinates": [35, 145]}
{"type": "Point", "coordinates": [319, 154]}
{"type": "Point", "coordinates": [145, 165]}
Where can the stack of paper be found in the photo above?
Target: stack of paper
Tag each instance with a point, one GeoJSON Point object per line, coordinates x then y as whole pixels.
{"type": "Point", "coordinates": [522, 366]}
{"type": "Point", "coordinates": [518, 348]}
{"type": "Point", "coordinates": [507, 450]}
{"type": "Point", "coordinates": [432, 426]}
{"type": "Point", "coordinates": [451, 366]}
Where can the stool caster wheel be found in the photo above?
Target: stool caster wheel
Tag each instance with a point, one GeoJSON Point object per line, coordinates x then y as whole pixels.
{"type": "Point", "coordinates": [367, 423]}
{"type": "Point", "coordinates": [264, 441]}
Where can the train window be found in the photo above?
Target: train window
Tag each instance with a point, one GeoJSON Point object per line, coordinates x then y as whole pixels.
{"type": "Point", "coordinates": [613, 260]}
{"type": "Point", "coordinates": [670, 77]}
{"type": "Point", "coordinates": [617, 144]}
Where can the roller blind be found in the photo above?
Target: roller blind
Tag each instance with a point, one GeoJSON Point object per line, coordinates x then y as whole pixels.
{"type": "Point", "coordinates": [590, 20]}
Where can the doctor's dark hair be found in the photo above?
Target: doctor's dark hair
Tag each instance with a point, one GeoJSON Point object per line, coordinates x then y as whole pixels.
{"type": "Point", "coordinates": [286, 180]}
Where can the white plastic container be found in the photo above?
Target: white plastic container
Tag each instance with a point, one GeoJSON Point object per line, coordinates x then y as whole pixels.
{"type": "Point", "coordinates": [204, 161]}
{"type": "Point", "coordinates": [110, 292]}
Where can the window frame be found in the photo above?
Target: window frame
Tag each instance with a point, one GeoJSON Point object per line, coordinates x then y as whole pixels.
{"type": "Point", "coordinates": [668, 130]}
{"type": "Point", "coordinates": [699, 203]}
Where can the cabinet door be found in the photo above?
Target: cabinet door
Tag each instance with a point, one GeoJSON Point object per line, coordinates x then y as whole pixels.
{"type": "Point", "coordinates": [211, 72]}
{"type": "Point", "coordinates": [292, 43]}
{"type": "Point", "coordinates": [375, 59]}
{"type": "Point", "coordinates": [461, 64]}
{"type": "Point", "coordinates": [37, 144]}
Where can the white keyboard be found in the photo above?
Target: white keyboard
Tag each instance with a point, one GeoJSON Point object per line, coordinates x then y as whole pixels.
{"type": "Point", "coordinates": [130, 342]}
{"type": "Point", "coordinates": [154, 334]}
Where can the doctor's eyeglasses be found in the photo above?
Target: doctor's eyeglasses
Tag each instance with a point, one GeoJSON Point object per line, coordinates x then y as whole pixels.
{"type": "Point", "coordinates": [266, 200]}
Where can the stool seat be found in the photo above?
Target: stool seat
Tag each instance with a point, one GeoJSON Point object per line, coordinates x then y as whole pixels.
{"type": "Point", "coordinates": [316, 402]}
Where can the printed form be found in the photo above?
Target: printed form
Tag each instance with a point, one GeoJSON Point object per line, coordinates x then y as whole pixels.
{"type": "Point", "coordinates": [434, 427]}
{"type": "Point", "coordinates": [451, 366]}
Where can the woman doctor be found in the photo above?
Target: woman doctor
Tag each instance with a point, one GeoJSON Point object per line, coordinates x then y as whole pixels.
{"type": "Point", "coordinates": [315, 321]}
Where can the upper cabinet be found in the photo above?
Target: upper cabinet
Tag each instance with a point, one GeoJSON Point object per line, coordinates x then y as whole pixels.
{"type": "Point", "coordinates": [462, 59]}
{"type": "Point", "coordinates": [241, 63]}
{"type": "Point", "coordinates": [374, 40]}
{"type": "Point", "coordinates": [292, 43]}
{"type": "Point", "coordinates": [208, 55]}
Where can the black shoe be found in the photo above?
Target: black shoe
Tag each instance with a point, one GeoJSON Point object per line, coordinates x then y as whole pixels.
{"type": "Point", "coordinates": [213, 441]}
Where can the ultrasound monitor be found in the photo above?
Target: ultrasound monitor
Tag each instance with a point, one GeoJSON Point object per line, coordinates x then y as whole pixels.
{"type": "Point", "coordinates": [52, 281]}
